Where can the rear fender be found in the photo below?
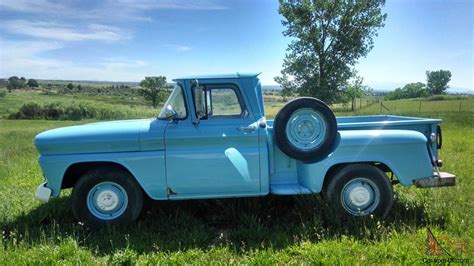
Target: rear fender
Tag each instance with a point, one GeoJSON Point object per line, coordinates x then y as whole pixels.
{"type": "Point", "coordinates": [403, 151]}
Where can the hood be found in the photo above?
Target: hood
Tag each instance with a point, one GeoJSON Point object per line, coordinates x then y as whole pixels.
{"type": "Point", "coordinates": [113, 136]}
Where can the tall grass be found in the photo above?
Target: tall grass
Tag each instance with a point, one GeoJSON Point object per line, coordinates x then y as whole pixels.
{"type": "Point", "coordinates": [269, 230]}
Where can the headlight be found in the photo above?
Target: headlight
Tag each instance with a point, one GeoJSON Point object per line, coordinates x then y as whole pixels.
{"type": "Point", "coordinates": [433, 138]}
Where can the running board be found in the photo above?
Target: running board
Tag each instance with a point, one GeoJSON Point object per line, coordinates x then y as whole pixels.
{"type": "Point", "coordinates": [289, 189]}
{"type": "Point", "coordinates": [443, 180]}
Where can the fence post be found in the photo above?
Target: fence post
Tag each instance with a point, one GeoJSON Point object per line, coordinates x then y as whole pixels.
{"type": "Point", "coordinates": [380, 106]}
{"type": "Point", "coordinates": [460, 104]}
{"type": "Point", "coordinates": [419, 107]}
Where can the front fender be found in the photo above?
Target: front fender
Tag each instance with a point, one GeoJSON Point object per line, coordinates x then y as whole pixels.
{"type": "Point", "coordinates": [148, 168]}
{"type": "Point", "coordinates": [405, 152]}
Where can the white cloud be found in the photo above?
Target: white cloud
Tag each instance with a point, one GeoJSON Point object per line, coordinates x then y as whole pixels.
{"type": "Point", "coordinates": [26, 58]}
{"type": "Point", "coordinates": [172, 4]}
{"type": "Point", "coordinates": [100, 10]}
{"type": "Point", "coordinates": [52, 25]}
{"type": "Point", "coordinates": [62, 32]}
{"type": "Point", "coordinates": [32, 6]}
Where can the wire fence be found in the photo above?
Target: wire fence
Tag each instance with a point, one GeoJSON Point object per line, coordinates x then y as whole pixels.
{"type": "Point", "coordinates": [466, 105]}
{"type": "Point", "coordinates": [376, 105]}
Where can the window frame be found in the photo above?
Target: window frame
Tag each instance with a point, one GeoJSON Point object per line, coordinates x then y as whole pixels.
{"type": "Point", "coordinates": [210, 87]}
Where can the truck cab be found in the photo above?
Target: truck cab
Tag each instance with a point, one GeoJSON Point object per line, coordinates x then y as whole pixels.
{"type": "Point", "coordinates": [212, 140]}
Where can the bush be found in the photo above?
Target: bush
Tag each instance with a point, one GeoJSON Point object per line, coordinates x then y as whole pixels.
{"type": "Point", "coordinates": [446, 97]}
{"type": "Point", "coordinates": [3, 93]}
{"type": "Point", "coordinates": [58, 111]}
{"type": "Point", "coordinates": [28, 111]}
{"type": "Point", "coordinates": [436, 98]}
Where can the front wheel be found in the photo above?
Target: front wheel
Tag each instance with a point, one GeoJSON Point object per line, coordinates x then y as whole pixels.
{"type": "Point", "coordinates": [359, 190]}
{"type": "Point", "coordinates": [107, 196]}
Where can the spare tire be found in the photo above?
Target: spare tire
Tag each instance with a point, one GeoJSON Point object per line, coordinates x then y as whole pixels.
{"type": "Point", "coordinates": [305, 129]}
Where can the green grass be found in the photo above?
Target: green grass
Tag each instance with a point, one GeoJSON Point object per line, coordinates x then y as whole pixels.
{"type": "Point", "coordinates": [267, 230]}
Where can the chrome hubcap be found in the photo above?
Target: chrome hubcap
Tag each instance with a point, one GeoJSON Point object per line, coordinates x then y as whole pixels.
{"type": "Point", "coordinates": [107, 200]}
{"type": "Point", "coordinates": [360, 196]}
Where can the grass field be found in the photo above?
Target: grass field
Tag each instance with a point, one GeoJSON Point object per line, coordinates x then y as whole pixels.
{"type": "Point", "coordinates": [267, 230]}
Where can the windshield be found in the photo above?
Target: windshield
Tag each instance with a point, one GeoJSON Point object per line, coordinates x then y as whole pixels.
{"type": "Point", "coordinates": [176, 100]}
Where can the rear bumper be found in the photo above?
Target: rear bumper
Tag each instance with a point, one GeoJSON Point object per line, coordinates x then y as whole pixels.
{"type": "Point", "coordinates": [442, 180]}
{"type": "Point", "coordinates": [43, 192]}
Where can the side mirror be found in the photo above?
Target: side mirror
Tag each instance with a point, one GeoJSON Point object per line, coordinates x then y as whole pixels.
{"type": "Point", "coordinates": [170, 113]}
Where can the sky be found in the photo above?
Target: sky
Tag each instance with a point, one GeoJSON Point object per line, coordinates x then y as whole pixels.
{"type": "Point", "coordinates": [127, 40]}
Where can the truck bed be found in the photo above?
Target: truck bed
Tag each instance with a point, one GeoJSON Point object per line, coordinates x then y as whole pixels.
{"type": "Point", "coordinates": [285, 174]}
{"type": "Point", "coordinates": [382, 122]}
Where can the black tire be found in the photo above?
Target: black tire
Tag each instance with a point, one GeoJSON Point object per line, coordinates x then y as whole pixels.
{"type": "Point", "coordinates": [88, 181]}
{"type": "Point", "coordinates": [368, 175]}
{"type": "Point", "coordinates": [283, 141]}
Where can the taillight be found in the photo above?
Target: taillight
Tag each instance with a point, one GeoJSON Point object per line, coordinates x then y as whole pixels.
{"type": "Point", "coordinates": [439, 137]}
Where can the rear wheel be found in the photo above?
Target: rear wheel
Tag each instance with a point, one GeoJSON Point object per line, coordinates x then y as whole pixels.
{"type": "Point", "coordinates": [107, 196]}
{"type": "Point", "coordinates": [359, 190]}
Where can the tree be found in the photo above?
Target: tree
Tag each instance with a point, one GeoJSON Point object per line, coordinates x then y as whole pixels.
{"type": "Point", "coordinates": [415, 90]}
{"type": "Point", "coordinates": [153, 89]}
{"type": "Point", "coordinates": [438, 81]}
{"type": "Point", "coordinates": [328, 39]}
{"type": "Point", "coordinates": [410, 90]}
{"type": "Point", "coordinates": [32, 83]}
{"type": "Point", "coordinates": [14, 83]}
{"type": "Point", "coordinates": [70, 86]}
{"type": "Point", "coordinates": [355, 90]}
{"type": "Point", "coordinates": [22, 82]}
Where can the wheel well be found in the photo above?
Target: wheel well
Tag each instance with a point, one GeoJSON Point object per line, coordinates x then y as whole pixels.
{"type": "Point", "coordinates": [335, 168]}
{"type": "Point", "coordinates": [75, 171]}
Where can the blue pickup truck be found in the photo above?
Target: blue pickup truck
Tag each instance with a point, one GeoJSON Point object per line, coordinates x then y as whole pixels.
{"type": "Point", "coordinates": [211, 140]}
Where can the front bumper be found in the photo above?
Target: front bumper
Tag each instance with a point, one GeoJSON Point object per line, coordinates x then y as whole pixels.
{"type": "Point", "coordinates": [43, 192]}
{"type": "Point", "coordinates": [442, 180]}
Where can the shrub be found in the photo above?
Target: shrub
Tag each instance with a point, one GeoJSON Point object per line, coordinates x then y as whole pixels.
{"type": "Point", "coordinates": [436, 98]}
{"type": "Point", "coordinates": [446, 97]}
{"type": "Point", "coordinates": [3, 93]}
{"type": "Point", "coordinates": [28, 111]}
{"type": "Point", "coordinates": [58, 111]}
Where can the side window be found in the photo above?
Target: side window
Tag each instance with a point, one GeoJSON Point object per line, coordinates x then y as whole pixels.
{"type": "Point", "coordinates": [215, 101]}
{"type": "Point", "coordinates": [223, 102]}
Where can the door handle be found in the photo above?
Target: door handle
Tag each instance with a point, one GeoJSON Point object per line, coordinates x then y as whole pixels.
{"type": "Point", "coordinates": [246, 129]}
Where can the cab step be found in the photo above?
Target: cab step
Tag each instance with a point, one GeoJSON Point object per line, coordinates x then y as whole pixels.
{"type": "Point", "coordinates": [289, 189]}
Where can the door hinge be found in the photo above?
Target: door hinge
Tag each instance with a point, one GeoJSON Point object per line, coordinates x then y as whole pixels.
{"type": "Point", "coordinates": [170, 192]}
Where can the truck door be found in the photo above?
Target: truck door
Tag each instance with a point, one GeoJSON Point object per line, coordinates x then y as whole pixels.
{"type": "Point", "coordinates": [217, 154]}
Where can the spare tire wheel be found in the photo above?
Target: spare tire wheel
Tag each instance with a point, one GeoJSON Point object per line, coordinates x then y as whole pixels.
{"type": "Point", "coordinates": [305, 129]}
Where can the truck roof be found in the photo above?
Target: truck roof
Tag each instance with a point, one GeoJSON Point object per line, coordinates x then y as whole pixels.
{"type": "Point", "coordinates": [219, 76]}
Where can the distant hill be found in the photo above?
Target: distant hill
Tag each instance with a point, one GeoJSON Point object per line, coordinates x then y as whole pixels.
{"type": "Point", "coordinates": [92, 82]}
{"type": "Point", "coordinates": [271, 87]}
{"type": "Point", "coordinates": [378, 88]}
